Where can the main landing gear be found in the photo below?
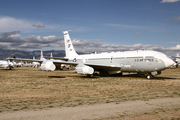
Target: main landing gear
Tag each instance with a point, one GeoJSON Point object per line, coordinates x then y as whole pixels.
{"type": "Point", "coordinates": [149, 76]}
{"type": "Point", "coordinates": [92, 75]}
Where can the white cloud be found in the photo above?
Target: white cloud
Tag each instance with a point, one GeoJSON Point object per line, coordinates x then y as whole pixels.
{"type": "Point", "coordinates": [137, 33]}
{"type": "Point", "coordinates": [8, 24]}
{"type": "Point", "coordinates": [126, 26]}
{"type": "Point", "coordinates": [13, 40]}
{"type": "Point", "coordinates": [169, 1]}
{"type": "Point", "coordinates": [89, 47]}
{"type": "Point", "coordinates": [38, 25]}
{"type": "Point", "coordinates": [177, 47]}
{"type": "Point", "coordinates": [13, 24]}
{"type": "Point", "coordinates": [176, 18]}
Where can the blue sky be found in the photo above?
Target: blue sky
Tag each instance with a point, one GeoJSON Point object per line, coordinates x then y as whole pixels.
{"type": "Point", "coordinates": [95, 25]}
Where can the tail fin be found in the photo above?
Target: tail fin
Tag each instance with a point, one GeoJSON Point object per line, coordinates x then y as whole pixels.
{"type": "Point", "coordinates": [42, 57]}
{"type": "Point", "coordinates": [177, 59]}
{"type": "Point", "coordinates": [51, 56]}
{"type": "Point", "coordinates": [70, 52]}
{"type": "Point", "coordinates": [41, 54]}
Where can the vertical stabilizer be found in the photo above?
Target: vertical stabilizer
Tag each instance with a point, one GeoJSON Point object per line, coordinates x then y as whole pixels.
{"type": "Point", "coordinates": [177, 59]}
{"type": "Point", "coordinates": [70, 52]}
{"type": "Point", "coordinates": [42, 57]}
{"type": "Point", "coordinates": [41, 54]}
{"type": "Point", "coordinates": [51, 56]}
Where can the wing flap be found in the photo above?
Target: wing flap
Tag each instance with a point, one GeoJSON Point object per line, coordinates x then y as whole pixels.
{"type": "Point", "coordinates": [175, 56]}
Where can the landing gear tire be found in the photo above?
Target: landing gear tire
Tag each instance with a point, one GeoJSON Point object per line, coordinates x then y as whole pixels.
{"type": "Point", "coordinates": [90, 75]}
{"type": "Point", "coordinates": [149, 76]}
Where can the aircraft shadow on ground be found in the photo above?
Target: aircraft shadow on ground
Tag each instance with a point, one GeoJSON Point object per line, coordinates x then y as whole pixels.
{"type": "Point", "coordinates": [144, 76]}
{"type": "Point", "coordinates": [132, 76]}
{"type": "Point", "coordinates": [56, 77]}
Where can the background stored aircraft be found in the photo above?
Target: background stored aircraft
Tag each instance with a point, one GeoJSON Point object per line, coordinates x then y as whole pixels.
{"type": "Point", "coordinates": [44, 64]}
{"type": "Point", "coordinates": [47, 65]}
{"type": "Point", "coordinates": [6, 64]}
{"type": "Point", "coordinates": [177, 60]}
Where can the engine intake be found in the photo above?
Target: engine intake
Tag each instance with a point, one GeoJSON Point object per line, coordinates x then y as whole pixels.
{"type": "Point", "coordinates": [83, 69]}
{"type": "Point", "coordinates": [48, 66]}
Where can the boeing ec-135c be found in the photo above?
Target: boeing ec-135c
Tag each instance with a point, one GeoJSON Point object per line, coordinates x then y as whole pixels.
{"type": "Point", "coordinates": [147, 62]}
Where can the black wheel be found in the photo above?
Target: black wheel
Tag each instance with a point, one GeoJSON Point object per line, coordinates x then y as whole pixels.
{"type": "Point", "coordinates": [149, 76]}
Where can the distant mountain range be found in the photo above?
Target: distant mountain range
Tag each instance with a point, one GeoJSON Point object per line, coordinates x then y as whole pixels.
{"type": "Point", "coordinates": [29, 54]}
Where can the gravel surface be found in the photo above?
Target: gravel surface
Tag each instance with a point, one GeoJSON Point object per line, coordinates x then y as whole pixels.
{"type": "Point", "coordinates": [164, 108]}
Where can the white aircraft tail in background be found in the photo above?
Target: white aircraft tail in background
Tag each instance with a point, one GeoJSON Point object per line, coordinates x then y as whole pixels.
{"type": "Point", "coordinates": [42, 57]}
{"type": "Point", "coordinates": [177, 60]}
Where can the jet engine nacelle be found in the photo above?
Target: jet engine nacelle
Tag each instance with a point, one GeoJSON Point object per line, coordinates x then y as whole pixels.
{"type": "Point", "coordinates": [86, 70]}
{"type": "Point", "coordinates": [48, 66]}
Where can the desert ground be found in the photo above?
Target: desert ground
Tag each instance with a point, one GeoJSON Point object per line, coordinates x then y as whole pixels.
{"type": "Point", "coordinates": [31, 94]}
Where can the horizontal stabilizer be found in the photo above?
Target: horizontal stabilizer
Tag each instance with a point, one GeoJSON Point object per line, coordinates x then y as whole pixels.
{"type": "Point", "coordinates": [175, 57]}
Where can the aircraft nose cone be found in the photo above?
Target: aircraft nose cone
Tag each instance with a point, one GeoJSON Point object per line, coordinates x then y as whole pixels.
{"type": "Point", "coordinates": [168, 62]}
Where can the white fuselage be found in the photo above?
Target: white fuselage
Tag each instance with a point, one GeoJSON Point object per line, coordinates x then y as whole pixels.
{"type": "Point", "coordinates": [129, 61]}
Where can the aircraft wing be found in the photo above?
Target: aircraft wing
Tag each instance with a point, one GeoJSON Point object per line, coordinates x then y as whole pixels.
{"type": "Point", "coordinates": [59, 62]}
{"type": "Point", "coordinates": [175, 56]}
{"type": "Point", "coordinates": [56, 62]}
{"type": "Point", "coordinates": [108, 67]}
{"type": "Point", "coordinates": [21, 59]}
{"type": "Point", "coordinates": [57, 58]}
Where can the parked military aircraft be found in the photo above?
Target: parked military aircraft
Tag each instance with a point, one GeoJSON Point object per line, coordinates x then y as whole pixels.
{"type": "Point", "coordinates": [6, 64]}
{"type": "Point", "coordinates": [147, 62]}
{"type": "Point", "coordinates": [177, 60]}
{"type": "Point", "coordinates": [35, 63]}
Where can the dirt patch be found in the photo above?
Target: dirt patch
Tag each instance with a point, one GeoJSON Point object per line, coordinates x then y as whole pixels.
{"type": "Point", "coordinates": [164, 108]}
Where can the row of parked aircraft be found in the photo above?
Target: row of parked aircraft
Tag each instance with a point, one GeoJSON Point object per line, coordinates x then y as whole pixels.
{"type": "Point", "coordinates": [140, 61]}
{"type": "Point", "coordinates": [6, 64]}
{"type": "Point", "coordinates": [177, 60]}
